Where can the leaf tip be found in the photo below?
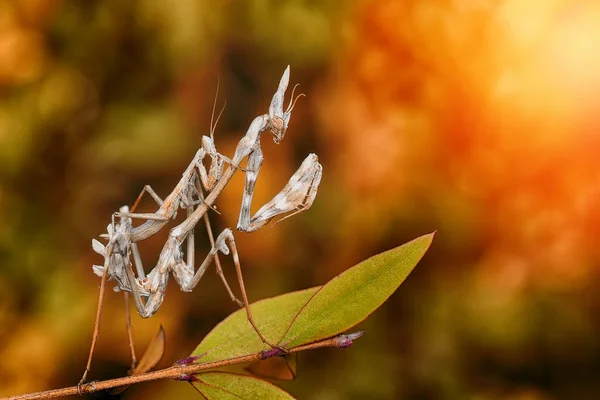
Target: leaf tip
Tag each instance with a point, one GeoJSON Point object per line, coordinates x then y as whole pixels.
{"type": "Point", "coordinates": [428, 238]}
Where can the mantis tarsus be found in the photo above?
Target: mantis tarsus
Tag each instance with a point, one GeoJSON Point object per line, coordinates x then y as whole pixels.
{"type": "Point", "coordinates": [148, 291]}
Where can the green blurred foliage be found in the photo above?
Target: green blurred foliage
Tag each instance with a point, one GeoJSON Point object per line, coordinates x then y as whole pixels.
{"type": "Point", "coordinates": [476, 119]}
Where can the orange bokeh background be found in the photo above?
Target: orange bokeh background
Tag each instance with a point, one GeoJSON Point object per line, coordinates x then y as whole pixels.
{"type": "Point", "coordinates": [475, 119]}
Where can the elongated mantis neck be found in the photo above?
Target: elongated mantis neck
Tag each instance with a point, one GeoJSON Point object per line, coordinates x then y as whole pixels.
{"type": "Point", "coordinates": [244, 148]}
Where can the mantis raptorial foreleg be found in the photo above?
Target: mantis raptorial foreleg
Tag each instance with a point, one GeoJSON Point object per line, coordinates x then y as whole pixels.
{"type": "Point", "coordinates": [297, 196]}
{"type": "Point", "coordinates": [255, 160]}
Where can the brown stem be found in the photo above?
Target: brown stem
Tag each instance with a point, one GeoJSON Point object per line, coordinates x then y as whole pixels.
{"type": "Point", "coordinates": [173, 372]}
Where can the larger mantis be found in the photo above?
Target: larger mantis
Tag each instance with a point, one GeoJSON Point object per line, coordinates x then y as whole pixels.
{"type": "Point", "coordinates": [148, 290]}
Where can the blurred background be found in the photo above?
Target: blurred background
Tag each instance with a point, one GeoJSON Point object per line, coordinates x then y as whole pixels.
{"type": "Point", "coordinates": [478, 119]}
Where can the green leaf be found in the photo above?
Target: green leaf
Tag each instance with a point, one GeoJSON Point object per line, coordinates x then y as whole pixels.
{"type": "Point", "coordinates": [351, 296]}
{"type": "Point", "coordinates": [225, 385]}
{"type": "Point", "coordinates": [235, 337]}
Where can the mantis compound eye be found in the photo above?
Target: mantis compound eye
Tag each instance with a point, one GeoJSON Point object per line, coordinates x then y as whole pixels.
{"type": "Point", "coordinates": [277, 128]}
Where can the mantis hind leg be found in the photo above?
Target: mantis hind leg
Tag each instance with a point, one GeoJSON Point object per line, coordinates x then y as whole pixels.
{"type": "Point", "coordinates": [187, 279]}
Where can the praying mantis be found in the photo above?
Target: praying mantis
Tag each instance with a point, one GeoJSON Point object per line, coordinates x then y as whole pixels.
{"type": "Point", "coordinates": [196, 192]}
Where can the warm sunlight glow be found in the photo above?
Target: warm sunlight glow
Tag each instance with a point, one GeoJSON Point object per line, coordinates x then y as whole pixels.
{"type": "Point", "coordinates": [549, 71]}
{"type": "Point", "coordinates": [574, 50]}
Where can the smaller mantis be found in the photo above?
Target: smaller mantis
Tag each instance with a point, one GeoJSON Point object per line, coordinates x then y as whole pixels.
{"type": "Point", "coordinates": [148, 291]}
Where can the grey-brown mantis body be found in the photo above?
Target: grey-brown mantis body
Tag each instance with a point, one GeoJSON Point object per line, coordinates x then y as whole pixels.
{"type": "Point", "coordinates": [148, 291]}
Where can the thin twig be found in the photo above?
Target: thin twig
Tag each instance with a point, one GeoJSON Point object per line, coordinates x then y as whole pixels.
{"type": "Point", "coordinates": [174, 372]}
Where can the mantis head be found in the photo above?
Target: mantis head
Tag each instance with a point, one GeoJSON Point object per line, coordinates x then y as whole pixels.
{"type": "Point", "coordinates": [278, 118]}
